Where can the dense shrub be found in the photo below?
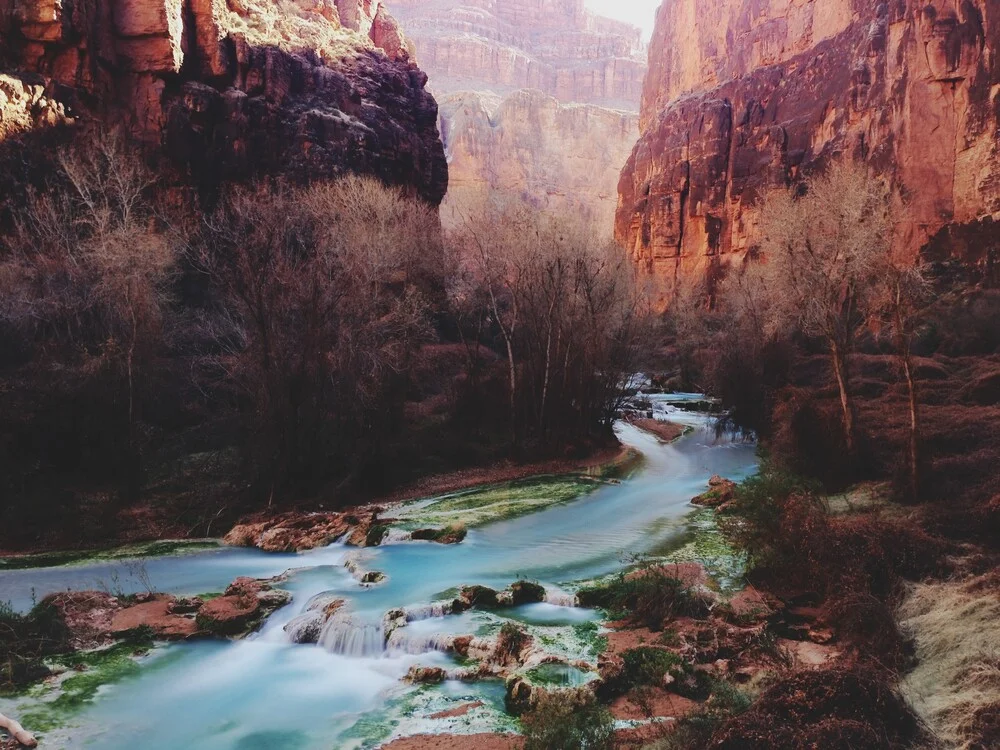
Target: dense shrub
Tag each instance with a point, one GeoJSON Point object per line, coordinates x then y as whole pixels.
{"type": "Point", "coordinates": [648, 596]}
{"type": "Point", "coordinates": [789, 537]}
{"type": "Point", "coordinates": [568, 720]}
{"type": "Point", "coordinates": [835, 707]}
{"type": "Point", "coordinates": [25, 640]}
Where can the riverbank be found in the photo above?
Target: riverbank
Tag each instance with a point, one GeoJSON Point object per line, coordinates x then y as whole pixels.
{"type": "Point", "coordinates": [609, 461]}
{"type": "Point", "coordinates": [385, 629]}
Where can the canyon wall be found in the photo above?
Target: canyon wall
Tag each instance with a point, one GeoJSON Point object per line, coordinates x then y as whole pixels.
{"type": "Point", "coordinates": [229, 89]}
{"type": "Point", "coordinates": [538, 98]}
{"type": "Point", "coordinates": [744, 96]}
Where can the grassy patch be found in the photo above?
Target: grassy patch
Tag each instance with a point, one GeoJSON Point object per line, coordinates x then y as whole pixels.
{"type": "Point", "coordinates": [955, 626]}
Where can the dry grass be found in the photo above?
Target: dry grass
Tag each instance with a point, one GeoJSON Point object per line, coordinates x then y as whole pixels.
{"type": "Point", "coordinates": [291, 26]}
{"type": "Point", "coordinates": [956, 629]}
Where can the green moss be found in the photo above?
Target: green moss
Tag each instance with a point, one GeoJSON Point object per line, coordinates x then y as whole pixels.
{"type": "Point", "coordinates": [705, 543]}
{"type": "Point", "coordinates": [589, 634]}
{"type": "Point", "coordinates": [375, 535]}
{"type": "Point", "coordinates": [555, 674]}
{"type": "Point", "coordinates": [497, 502]}
{"type": "Point", "coordinates": [82, 557]}
{"type": "Point", "coordinates": [97, 668]}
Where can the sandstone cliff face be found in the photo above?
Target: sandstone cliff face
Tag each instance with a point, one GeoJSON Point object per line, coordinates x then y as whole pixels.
{"type": "Point", "coordinates": [562, 158]}
{"type": "Point", "coordinates": [743, 96]}
{"type": "Point", "coordinates": [539, 98]}
{"type": "Point", "coordinates": [554, 46]}
{"type": "Point", "coordinates": [230, 89]}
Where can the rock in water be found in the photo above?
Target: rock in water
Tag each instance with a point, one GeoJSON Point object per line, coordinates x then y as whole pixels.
{"type": "Point", "coordinates": [744, 95]}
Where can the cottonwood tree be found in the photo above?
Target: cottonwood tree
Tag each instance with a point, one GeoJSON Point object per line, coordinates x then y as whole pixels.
{"type": "Point", "coordinates": [327, 291]}
{"type": "Point", "coordinates": [823, 250]}
{"type": "Point", "coordinates": [899, 294]}
{"type": "Point", "coordinates": [566, 311]}
{"type": "Point", "coordinates": [90, 269]}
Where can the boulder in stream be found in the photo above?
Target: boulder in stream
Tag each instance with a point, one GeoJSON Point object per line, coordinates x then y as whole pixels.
{"type": "Point", "coordinates": [720, 492]}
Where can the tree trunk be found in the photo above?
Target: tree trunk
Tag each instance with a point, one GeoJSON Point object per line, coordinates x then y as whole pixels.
{"type": "Point", "coordinates": [513, 390]}
{"type": "Point", "coordinates": [847, 409]}
{"type": "Point", "coordinates": [914, 428]}
{"type": "Point", "coordinates": [18, 732]}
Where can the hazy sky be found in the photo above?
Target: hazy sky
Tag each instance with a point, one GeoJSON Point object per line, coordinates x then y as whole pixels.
{"type": "Point", "coordinates": [639, 12]}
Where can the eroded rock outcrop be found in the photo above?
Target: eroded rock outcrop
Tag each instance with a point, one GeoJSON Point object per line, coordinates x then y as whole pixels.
{"type": "Point", "coordinates": [743, 96]}
{"type": "Point", "coordinates": [230, 89]}
{"type": "Point", "coordinates": [538, 99]}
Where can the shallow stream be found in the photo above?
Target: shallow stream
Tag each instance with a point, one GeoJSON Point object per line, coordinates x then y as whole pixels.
{"type": "Point", "coordinates": [265, 692]}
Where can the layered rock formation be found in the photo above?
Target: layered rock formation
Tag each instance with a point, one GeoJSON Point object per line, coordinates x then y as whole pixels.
{"type": "Point", "coordinates": [554, 46]}
{"type": "Point", "coordinates": [743, 96]}
{"type": "Point", "coordinates": [563, 158]}
{"type": "Point", "coordinates": [538, 98]}
{"type": "Point", "coordinates": [230, 90]}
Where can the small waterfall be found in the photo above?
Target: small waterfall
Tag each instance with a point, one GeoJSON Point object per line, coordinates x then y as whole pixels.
{"type": "Point", "coordinates": [344, 634]}
{"type": "Point", "coordinates": [401, 641]}
{"type": "Point", "coordinates": [429, 611]}
{"type": "Point", "coordinates": [306, 628]}
{"type": "Point", "coordinates": [394, 536]}
{"type": "Point", "coordinates": [560, 598]}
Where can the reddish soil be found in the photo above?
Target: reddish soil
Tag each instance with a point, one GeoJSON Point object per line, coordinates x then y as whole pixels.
{"type": "Point", "coordinates": [654, 703]}
{"type": "Point", "coordinates": [454, 713]}
{"type": "Point", "coordinates": [157, 615]}
{"type": "Point", "coordinates": [644, 735]}
{"type": "Point", "coordinates": [457, 742]}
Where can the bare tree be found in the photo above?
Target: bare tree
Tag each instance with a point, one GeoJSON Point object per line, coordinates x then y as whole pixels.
{"type": "Point", "coordinates": [327, 288]}
{"type": "Point", "coordinates": [91, 266]}
{"type": "Point", "coordinates": [566, 310]}
{"type": "Point", "coordinates": [900, 291]}
{"type": "Point", "coordinates": [822, 253]}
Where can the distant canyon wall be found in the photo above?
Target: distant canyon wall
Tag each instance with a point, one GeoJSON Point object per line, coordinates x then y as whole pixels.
{"type": "Point", "coordinates": [538, 98]}
{"type": "Point", "coordinates": [744, 96]}
{"type": "Point", "coordinates": [229, 89]}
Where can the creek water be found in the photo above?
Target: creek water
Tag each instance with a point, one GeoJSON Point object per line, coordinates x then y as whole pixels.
{"type": "Point", "coordinates": [267, 692]}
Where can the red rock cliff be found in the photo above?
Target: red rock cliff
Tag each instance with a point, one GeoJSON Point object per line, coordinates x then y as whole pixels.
{"type": "Point", "coordinates": [743, 95]}
{"type": "Point", "coordinates": [229, 88]}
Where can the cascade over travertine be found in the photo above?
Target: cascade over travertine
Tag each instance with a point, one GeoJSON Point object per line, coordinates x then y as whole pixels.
{"type": "Point", "coordinates": [743, 96]}
{"type": "Point", "coordinates": [228, 88]}
{"type": "Point", "coordinates": [539, 98]}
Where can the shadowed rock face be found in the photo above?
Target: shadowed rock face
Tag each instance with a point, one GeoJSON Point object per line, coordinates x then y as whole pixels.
{"type": "Point", "coordinates": [230, 89]}
{"type": "Point", "coordinates": [744, 96]}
